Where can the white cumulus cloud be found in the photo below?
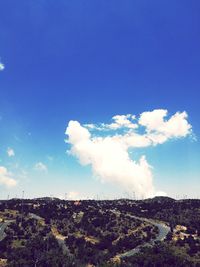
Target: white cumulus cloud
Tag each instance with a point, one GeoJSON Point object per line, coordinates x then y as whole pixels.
{"type": "Point", "coordinates": [6, 178]}
{"type": "Point", "coordinates": [39, 166]}
{"type": "Point", "coordinates": [121, 121]}
{"type": "Point", "coordinates": [109, 155]}
{"type": "Point", "coordinates": [10, 152]}
{"type": "Point", "coordinates": [160, 130]}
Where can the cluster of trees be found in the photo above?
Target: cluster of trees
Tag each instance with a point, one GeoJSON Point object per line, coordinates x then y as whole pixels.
{"type": "Point", "coordinates": [19, 233]}
{"type": "Point", "coordinates": [186, 212]}
{"type": "Point", "coordinates": [183, 212]}
{"type": "Point", "coordinates": [25, 227]}
{"type": "Point", "coordinates": [39, 252]}
{"type": "Point", "coordinates": [109, 243]}
{"type": "Point", "coordinates": [99, 253]}
{"type": "Point", "coordinates": [191, 244]}
{"type": "Point", "coordinates": [95, 222]}
{"type": "Point", "coordinates": [97, 231]}
{"type": "Point", "coordinates": [30, 243]}
{"type": "Point", "coordinates": [85, 252]}
{"type": "Point", "coordinates": [162, 254]}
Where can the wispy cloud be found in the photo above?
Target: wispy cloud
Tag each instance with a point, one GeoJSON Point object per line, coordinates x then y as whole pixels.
{"type": "Point", "coordinates": [2, 66]}
{"type": "Point", "coordinates": [10, 152]}
{"type": "Point", "coordinates": [109, 155]}
{"type": "Point", "coordinates": [50, 158]}
{"type": "Point", "coordinates": [39, 166]}
{"type": "Point", "coordinates": [118, 122]}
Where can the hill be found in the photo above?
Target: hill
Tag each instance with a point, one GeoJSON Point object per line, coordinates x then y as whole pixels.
{"type": "Point", "coordinates": [54, 232]}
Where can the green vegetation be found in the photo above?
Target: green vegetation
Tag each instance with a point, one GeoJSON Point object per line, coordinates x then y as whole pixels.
{"type": "Point", "coordinates": [165, 254]}
{"type": "Point", "coordinates": [46, 232]}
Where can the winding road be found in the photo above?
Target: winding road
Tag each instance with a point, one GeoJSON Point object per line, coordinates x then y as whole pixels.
{"type": "Point", "coordinates": [163, 230]}
{"type": "Point", "coordinates": [3, 226]}
{"type": "Point", "coordinates": [59, 238]}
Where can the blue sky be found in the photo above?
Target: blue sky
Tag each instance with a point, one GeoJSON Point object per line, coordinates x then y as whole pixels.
{"type": "Point", "coordinates": [88, 61]}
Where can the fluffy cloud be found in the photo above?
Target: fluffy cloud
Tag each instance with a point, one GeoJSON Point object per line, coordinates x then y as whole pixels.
{"type": "Point", "coordinates": [6, 178]}
{"type": "Point", "coordinates": [123, 121]}
{"type": "Point", "coordinates": [2, 67]}
{"type": "Point", "coordinates": [39, 166]}
{"type": "Point", "coordinates": [160, 130]}
{"type": "Point", "coordinates": [10, 152]}
{"type": "Point", "coordinates": [109, 155]}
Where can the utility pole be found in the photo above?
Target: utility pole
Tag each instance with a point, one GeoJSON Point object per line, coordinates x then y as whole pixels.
{"type": "Point", "coordinates": [22, 206]}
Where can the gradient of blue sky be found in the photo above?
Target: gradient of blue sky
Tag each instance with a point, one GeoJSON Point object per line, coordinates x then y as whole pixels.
{"type": "Point", "coordinates": [88, 61]}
